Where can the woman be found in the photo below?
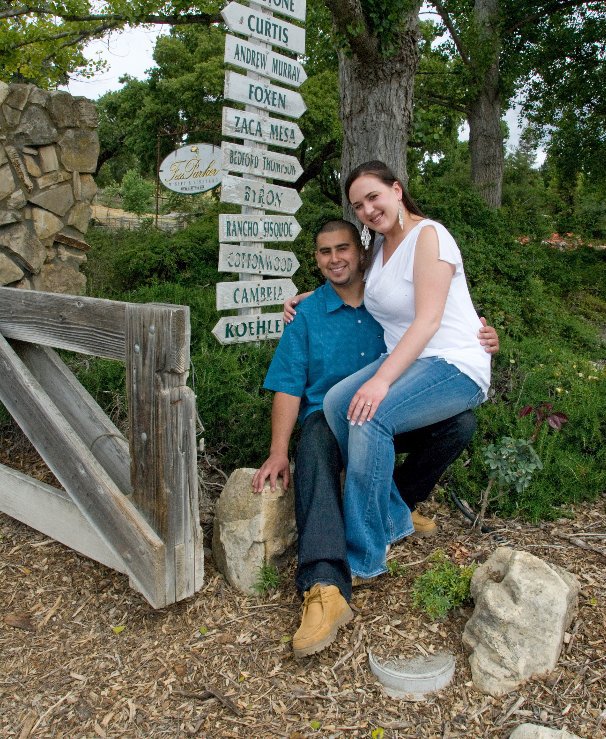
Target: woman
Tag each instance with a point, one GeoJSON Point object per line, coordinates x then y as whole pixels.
{"type": "Point", "coordinates": [434, 367]}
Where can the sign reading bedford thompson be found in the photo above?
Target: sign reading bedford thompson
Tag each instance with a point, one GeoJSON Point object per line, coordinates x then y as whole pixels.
{"type": "Point", "coordinates": [192, 168]}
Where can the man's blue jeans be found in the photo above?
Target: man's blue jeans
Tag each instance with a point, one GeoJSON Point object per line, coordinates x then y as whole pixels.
{"type": "Point", "coordinates": [375, 515]}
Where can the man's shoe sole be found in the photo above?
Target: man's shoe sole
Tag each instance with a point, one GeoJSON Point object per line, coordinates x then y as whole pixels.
{"type": "Point", "coordinates": [318, 646]}
{"type": "Point", "coordinates": [425, 534]}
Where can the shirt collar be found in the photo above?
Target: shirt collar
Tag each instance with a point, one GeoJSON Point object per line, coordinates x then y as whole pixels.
{"type": "Point", "coordinates": [333, 300]}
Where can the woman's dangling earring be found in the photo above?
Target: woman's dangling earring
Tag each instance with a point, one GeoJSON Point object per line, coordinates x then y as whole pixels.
{"type": "Point", "coordinates": [401, 215]}
{"type": "Point", "coordinates": [365, 237]}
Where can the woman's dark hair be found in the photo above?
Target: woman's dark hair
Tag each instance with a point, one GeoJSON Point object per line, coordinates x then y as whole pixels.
{"type": "Point", "coordinates": [382, 172]}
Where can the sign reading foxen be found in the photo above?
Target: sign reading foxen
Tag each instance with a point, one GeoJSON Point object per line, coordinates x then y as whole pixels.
{"type": "Point", "coordinates": [258, 261]}
{"type": "Point", "coordinates": [253, 293]}
{"type": "Point", "coordinates": [192, 168]}
{"type": "Point", "coordinates": [245, 90]}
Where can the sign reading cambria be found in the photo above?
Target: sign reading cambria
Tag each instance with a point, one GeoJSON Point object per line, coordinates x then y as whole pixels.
{"type": "Point", "coordinates": [192, 168]}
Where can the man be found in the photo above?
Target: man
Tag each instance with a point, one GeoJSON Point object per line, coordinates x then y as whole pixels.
{"type": "Point", "coordinates": [332, 337]}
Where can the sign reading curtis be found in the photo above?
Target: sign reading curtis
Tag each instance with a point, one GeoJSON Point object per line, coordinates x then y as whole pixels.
{"type": "Point", "coordinates": [192, 168]}
{"type": "Point", "coordinates": [256, 171]}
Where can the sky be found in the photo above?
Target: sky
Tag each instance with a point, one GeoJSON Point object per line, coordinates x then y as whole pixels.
{"type": "Point", "coordinates": [130, 52]}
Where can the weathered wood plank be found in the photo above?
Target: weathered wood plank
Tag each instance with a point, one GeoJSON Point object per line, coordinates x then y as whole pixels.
{"type": "Point", "coordinates": [52, 512]}
{"type": "Point", "coordinates": [97, 432]}
{"type": "Point", "coordinates": [162, 441]}
{"type": "Point", "coordinates": [109, 512]}
{"type": "Point", "coordinates": [84, 325]}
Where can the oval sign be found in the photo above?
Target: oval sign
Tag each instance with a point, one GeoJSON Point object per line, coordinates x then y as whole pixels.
{"type": "Point", "coordinates": [192, 168]}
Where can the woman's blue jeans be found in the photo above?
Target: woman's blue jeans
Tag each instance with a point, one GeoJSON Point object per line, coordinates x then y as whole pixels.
{"type": "Point", "coordinates": [430, 390]}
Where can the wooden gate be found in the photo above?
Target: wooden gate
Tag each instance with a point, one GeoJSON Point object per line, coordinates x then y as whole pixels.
{"type": "Point", "coordinates": [129, 504]}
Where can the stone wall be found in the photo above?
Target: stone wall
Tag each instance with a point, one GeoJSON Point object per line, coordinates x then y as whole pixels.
{"type": "Point", "coordinates": [48, 152]}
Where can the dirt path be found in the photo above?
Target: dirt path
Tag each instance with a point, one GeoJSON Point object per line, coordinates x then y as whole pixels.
{"type": "Point", "coordinates": [221, 665]}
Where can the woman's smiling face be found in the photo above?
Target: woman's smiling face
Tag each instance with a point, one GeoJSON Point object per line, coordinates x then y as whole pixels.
{"type": "Point", "coordinates": [375, 203]}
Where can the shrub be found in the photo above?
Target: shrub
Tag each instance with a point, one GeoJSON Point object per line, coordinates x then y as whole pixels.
{"type": "Point", "coordinates": [442, 587]}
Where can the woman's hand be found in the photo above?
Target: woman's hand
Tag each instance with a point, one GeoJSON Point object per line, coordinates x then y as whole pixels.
{"type": "Point", "coordinates": [488, 337]}
{"type": "Point", "coordinates": [365, 402]}
{"type": "Point", "coordinates": [289, 308]}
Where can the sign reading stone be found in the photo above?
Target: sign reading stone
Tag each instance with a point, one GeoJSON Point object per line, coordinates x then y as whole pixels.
{"type": "Point", "coordinates": [249, 22]}
{"type": "Point", "coordinates": [192, 168]}
{"type": "Point", "coordinates": [291, 8]}
{"type": "Point", "coordinates": [258, 228]}
{"type": "Point", "coordinates": [240, 124]}
{"type": "Point", "coordinates": [258, 194]}
{"type": "Point", "coordinates": [246, 90]}
{"type": "Point", "coordinates": [263, 61]}
{"type": "Point", "coordinates": [253, 293]}
{"type": "Point", "coordinates": [245, 160]}
{"type": "Point", "coordinates": [258, 261]}
{"type": "Point", "coordinates": [238, 329]}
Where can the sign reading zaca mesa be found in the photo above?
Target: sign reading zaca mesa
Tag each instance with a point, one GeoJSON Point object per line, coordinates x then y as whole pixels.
{"type": "Point", "coordinates": [192, 168]}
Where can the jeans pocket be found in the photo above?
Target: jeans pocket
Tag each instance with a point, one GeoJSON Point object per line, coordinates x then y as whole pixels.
{"type": "Point", "coordinates": [476, 400]}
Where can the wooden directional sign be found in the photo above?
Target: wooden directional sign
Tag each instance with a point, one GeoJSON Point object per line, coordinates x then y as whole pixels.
{"type": "Point", "coordinates": [238, 329]}
{"type": "Point", "coordinates": [233, 258]}
{"type": "Point", "coordinates": [258, 228]}
{"type": "Point", "coordinates": [253, 293]}
{"type": "Point", "coordinates": [262, 95]}
{"type": "Point", "coordinates": [258, 194]}
{"type": "Point", "coordinates": [291, 8]}
{"type": "Point", "coordinates": [240, 124]}
{"type": "Point", "coordinates": [245, 160]}
{"type": "Point", "coordinates": [249, 22]}
{"type": "Point", "coordinates": [263, 61]}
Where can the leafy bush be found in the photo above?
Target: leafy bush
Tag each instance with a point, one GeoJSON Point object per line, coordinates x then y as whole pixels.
{"type": "Point", "coordinates": [136, 192]}
{"type": "Point", "coordinates": [442, 587]}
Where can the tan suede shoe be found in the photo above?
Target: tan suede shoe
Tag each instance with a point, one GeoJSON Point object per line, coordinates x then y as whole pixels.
{"type": "Point", "coordinates": [423, 526]}
{"type": "Point", "coordinates": [324, 610]}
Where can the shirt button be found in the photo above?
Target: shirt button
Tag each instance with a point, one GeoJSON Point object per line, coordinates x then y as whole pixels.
{"type": "Point", "coordinates": [359, 321]}
{"type": "Point", "coordinates": [361, 354]}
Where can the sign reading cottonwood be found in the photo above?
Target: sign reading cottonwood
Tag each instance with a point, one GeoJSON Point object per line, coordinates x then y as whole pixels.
{"type": "Point", "coordinates": [256, 260]}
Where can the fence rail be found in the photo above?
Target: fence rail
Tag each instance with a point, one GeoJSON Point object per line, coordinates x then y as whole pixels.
{"type": "Point", "coordinates": [131, 504]}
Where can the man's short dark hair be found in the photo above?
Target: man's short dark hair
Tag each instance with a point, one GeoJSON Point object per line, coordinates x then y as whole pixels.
{"type": "Point", "coordinates": [337, 224]}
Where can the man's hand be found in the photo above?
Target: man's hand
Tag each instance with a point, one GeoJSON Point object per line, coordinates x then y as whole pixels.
{"type": "Point", "coordinates": [276, 465]}
{"type": "Point", "coordinates": [488, 337]}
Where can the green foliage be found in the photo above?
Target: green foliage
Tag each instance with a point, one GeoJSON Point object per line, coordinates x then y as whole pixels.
{"type": "Point", "coordinates": [511, 463]}
{"type": "Point", "coordinates": [442, 587]}
{"type": "Point", "coordinates": [268, 580]}
{"type": "Point", "coordinates": [395, 568]}
{"type": "Point", "coordinates": [136, 192]}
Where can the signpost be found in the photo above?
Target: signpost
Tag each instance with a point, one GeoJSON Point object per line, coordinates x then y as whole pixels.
{"type": "Point", "coordinates": [243, 235]}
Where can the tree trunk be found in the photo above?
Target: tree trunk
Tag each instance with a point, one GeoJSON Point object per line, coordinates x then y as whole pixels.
{"type": "Point", "coordinates": [485, 132]}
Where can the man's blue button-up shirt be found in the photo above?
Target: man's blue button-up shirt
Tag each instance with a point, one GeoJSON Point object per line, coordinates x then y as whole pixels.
{"type": "Point", "coordinates": [327, 341]}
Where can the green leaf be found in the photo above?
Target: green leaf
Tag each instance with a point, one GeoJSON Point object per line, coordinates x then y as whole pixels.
{"type": "Point", "coordinates": [315, 725]}
{"type": "Point", "coordinates": [118, 629]}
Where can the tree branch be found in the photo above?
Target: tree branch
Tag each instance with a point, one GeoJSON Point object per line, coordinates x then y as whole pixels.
{"type": "Point", "coordinates": [151, 19]}
{"type": "Point", "coordinates": [313, 169]}
{"type": "Point", "coordinates": [548, 9]}
{"type": "Point", "coordinates": [349, 21]}
{"type": "Point", "coordinates": [445, 16]}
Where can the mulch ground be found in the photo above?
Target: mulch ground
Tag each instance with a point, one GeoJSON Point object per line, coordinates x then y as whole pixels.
{"type": "Point", "coordinates": [83, 655]}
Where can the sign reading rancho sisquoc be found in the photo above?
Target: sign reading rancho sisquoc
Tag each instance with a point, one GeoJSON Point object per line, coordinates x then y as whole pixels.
{"type": "Point", "coordinates": [257, 172]}
{"type": "Point", "coordinates": [192, 168]}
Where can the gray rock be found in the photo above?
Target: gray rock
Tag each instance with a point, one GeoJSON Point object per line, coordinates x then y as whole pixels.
{"type": "Point", "coordinates": [251, 529]}
{"type": "Point", "coordinates": [12, 116]}
{"type": "Point", "coordinates": [52, 178]}
{"type": "Point", "coordinates": [59, 278]}
{"type": "Point", "coordinates": [39, 97]}
{"type": "Point", "coordinates": [79, 150]}
{"type": "Point", "coordinates": [9, 216]}
{"type": "Point", "coordinates": [87, 113]}
{"type": "Point", "coordinates": [45, 223]}
{"type": "Point", "coordinates": [58, 199]}
{"type": "Point", "coordinates": [17, 200]}
{"type": "Point", "coordinates": [18, 96]}
{"type": "Point", "coordinates": [48, 158]}
{"type": "Point", "coordinates": [32, 166]}
{"type": "Point", "coordinates": [9, 271]}
{"type": "Point", "coordinates": [62, 108]}
{"type": "Point", "coordinates": [79, 216]}
{"type": "Point", "coordinates": [533, 731]}
{"type": "Point", "coordinates": [88, 188]}
{"type": "Point", "coordinates": [7, 181]}
{"type": "Point", "coordinates": [4, 90]}
{"type": "Point", "coordinates": [523, 608]}
{"type": "Point", "coordinates": [35, 127]}
{"type": "Point", "coordinates": [22, 242]}
{"type": "Point", "coordinates": [3, 157]}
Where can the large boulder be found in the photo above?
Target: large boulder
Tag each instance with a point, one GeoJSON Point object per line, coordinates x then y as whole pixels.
{"type": "Point", "coordinates": [523, 608]}
{"type": "Point", "coordinates": [533, 731]}
{"type": "Point", "coordinates": [251, 530]}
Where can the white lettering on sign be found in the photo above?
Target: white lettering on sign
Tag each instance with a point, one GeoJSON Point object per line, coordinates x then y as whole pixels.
{"type": "Point", "coordinates": [265, 96]}
{"type": "Point", "coordinates": [257, 261]}
{"type": "Point", "coordinates": [242, 19]}
{"type": "Point", "coordinates": [268, 63]}
{"type": "Point", "coordinates": [234, 329]}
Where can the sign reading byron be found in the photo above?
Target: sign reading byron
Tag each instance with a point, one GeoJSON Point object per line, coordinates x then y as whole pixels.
{"type": "Point", "coordinates": [259, 194]}
{"type": "Point", "coordinates": [192, 168]}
